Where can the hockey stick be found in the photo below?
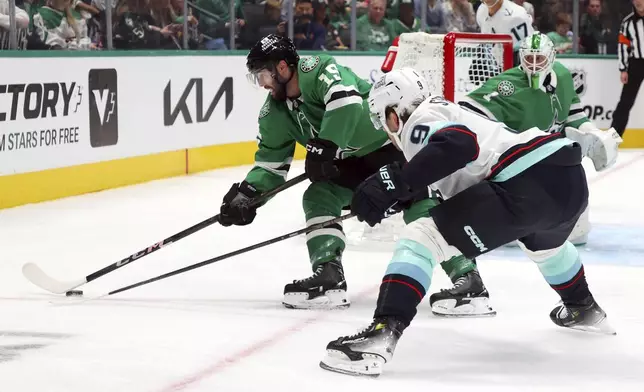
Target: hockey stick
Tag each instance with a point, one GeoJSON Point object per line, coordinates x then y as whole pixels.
{"type": "Point", "coordinates": [231, 254]}
{"type": "Point", "coordinates": [38, 277]}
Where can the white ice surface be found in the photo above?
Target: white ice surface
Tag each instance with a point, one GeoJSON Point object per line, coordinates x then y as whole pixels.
{"type": "Point", "coordinates": [222, 327]}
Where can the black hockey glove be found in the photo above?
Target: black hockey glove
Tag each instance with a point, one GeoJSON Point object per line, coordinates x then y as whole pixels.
{"type": "Point", "coordinates": [377, 196]}
{"type": "Point", "coordinates": [320, 155]}
{"type": "Point", "coordinates": [235, 209]}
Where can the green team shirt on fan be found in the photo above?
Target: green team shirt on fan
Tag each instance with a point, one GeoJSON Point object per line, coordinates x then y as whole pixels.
{"type": "Point", "coordinates": [332, 106]}
{"type": "Point", "coordinates": [509, 98]}
{"type": "Point", "coordinates": [401, 28]}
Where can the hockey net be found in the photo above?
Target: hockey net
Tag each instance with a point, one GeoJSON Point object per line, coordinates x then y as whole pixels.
{"type": "Point", "coordinates": [453, 64]}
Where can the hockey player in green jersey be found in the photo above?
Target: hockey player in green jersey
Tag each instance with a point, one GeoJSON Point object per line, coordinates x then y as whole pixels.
{"type": "Point", "coordinates": [320, 104]}
{"type": "Point", "coordinates": [539, 93]}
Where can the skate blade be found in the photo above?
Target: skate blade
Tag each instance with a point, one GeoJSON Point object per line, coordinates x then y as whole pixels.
{"type": "Point", "coordinates": [336, 361]}
{"type": "Point", "coordinates": [603, 327]}
{"type": "Point", "coordinates": [332, 299]}
{"type": "Point", "coordinates": [474, 307]}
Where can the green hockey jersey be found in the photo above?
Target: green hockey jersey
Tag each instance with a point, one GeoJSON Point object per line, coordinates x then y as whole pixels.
{"type": "Point", "coordinates": [332, 106]}
{"type": "Point", "coordinates": [509, 98]}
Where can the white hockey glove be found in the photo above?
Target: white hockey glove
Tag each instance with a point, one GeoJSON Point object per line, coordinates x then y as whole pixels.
{"type": "Point", "coordinates": [600, 146]}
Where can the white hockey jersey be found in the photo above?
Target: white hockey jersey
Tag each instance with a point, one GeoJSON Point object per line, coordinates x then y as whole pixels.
{"type": "Point", "coordinates": [489, 150]}
{"type": "Point", "coordinates": [510, 19]}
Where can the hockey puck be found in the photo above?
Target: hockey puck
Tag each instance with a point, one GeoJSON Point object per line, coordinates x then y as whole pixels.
{"type": "Point", "coordinates": [74, 293]}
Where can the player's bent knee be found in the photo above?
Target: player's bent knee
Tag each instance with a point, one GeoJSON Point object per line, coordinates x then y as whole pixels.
{"type": "Point", "coordinates": [557, 265]}
{"type": "Point", "coordinates": [424, 231]}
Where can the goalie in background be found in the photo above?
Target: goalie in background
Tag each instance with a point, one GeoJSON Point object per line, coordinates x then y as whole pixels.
{"type": "Point", "coordinates": [541, 93]}
{"type": "Point", "coordinates": [498, 185]}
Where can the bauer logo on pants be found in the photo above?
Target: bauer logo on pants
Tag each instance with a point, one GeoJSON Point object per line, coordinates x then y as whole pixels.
{"type": "Point", "coordinates": [103, 107]}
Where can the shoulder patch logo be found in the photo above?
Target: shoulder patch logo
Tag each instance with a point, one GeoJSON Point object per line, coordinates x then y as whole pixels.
{"type": "Point", "coordinates": [579, 80]}
{"type": "Point", "coordinates": [308, 64]}
{"type": "Point", "coordinates": [506, 88]}
{"type": "Point", "coordinates": [263, 112]}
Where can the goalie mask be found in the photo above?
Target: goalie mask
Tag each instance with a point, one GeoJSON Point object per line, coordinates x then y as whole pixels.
{"type": "Point", "coordinates": [537, 54]}
{"type": "Point", "coordinates": [400, 90]}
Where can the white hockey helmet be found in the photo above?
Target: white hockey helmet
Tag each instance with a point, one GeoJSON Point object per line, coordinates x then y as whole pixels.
{"type": "Point", "coordinates": [537, 53]}
{"type": "Point", "coordinates": [400, 90]}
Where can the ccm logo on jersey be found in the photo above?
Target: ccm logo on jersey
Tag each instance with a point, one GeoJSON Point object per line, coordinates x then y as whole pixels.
{"type": "Point", "coordinates": [475, 238]}
{"type": "Point", "coordinates": [384, 175]}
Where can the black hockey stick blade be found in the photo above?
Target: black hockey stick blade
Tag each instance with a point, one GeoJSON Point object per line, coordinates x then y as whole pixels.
{"type": "Point", "coordinates": [38, 277]}
{"type": "Point", "coordinates": [232, 254]}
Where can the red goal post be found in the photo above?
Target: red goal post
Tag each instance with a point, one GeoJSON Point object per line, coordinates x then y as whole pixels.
{"type": "Point", "coordinates": [443, 58]}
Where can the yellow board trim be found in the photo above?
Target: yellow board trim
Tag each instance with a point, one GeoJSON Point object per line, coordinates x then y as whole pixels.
{"type": "Point", "coordinates": [213, 157]}
{"type": "Point", "coordinates": [35, 187]}
{"type": "Point", "coordinates": [19, 189]}
{"type": "Point", "coordinates": [633, 138]}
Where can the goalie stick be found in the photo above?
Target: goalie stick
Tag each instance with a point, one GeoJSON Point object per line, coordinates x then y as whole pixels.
{"type": "Point", "coordinates": [231, 254]}
{"type": "Point", "coordinates": [38, 277]}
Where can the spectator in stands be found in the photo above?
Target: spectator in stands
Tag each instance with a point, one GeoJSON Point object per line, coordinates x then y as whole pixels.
{"type": "Point", "coordinates": [85, 8]}
{"type": "Point", "coordinates": [549, 12]}
{"type": "Point", "coordinates": [561, 37]}
{"type": "Point", "coordinates": [373, 31]}
{"type": "Point", "coordinates": [435, 15]}
{"type": "Point", "coordinates": [177, 8]}
{"type": "Point", "coordinates": [407, 22]}
{"type": "Point", "coordinates": [460, 16]}
{"type": "Point", "coordinates": [307, 34]}
{"type": "Point", "coordinates": [215, 21]}
{"type": "Point", "coordinates": [136, 28]}
{"type": "Point", "coordinates": [22, 24]}
{"type": "Point", "coordinates": [594, 31]}
{"type": "Point", "coordinates": [21, 16]}
{"type": "Point", "coordinates": [260, 26]}
{"type": "Point", "coordinates": [391, 9]}
{"type": "Point", "coordinates": [527, 6]}
{"type": "Point", "coordinates": [333, 39]}
{"type": "Point", "coordinates": [164, 14]}
{"type": "Point", "coordinates": [60, 27]}
{"type": "Point", "coordinates": [340, 18]}
{"type": "Point", "coordinates": [95, 19]}
{"type": "Point", "coordinates": [339, 14]}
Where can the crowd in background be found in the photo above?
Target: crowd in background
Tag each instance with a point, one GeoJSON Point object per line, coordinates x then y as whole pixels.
{"type": "Point", "coordinates": [317, 24]}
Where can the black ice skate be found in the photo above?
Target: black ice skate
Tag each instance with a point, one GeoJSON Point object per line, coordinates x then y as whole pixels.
{"type": "Point", "coordinates": [468, 298]}
{"type": "Point", "coordinates": [586, 316]}
{"type": "Point", "coordinates": [364, 353]}
{"type": "Point", "coordinates": [325, 289]}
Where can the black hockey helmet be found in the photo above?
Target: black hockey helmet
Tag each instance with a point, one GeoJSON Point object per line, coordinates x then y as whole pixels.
{"type": "Point", "coordinates": [269, 51]}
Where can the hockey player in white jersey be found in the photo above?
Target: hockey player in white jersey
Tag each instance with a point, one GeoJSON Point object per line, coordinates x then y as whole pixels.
{"type": "Point", "coordinates": [498, 185]}
{"type": "Point", "coordinates": [505, 17]}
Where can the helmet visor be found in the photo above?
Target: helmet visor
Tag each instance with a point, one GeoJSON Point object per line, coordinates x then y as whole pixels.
{"type": "Point", "coordinates": [375, 120]}
{"type": "Point", "coordinates": [260, 78]}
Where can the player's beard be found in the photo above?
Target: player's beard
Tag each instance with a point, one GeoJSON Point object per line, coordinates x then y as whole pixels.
{"type": "Point", "coordinates": [279, 89]}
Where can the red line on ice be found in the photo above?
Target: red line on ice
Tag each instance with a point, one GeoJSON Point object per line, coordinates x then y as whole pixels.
{"type": "Point", "coordinates": [253, 349]}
